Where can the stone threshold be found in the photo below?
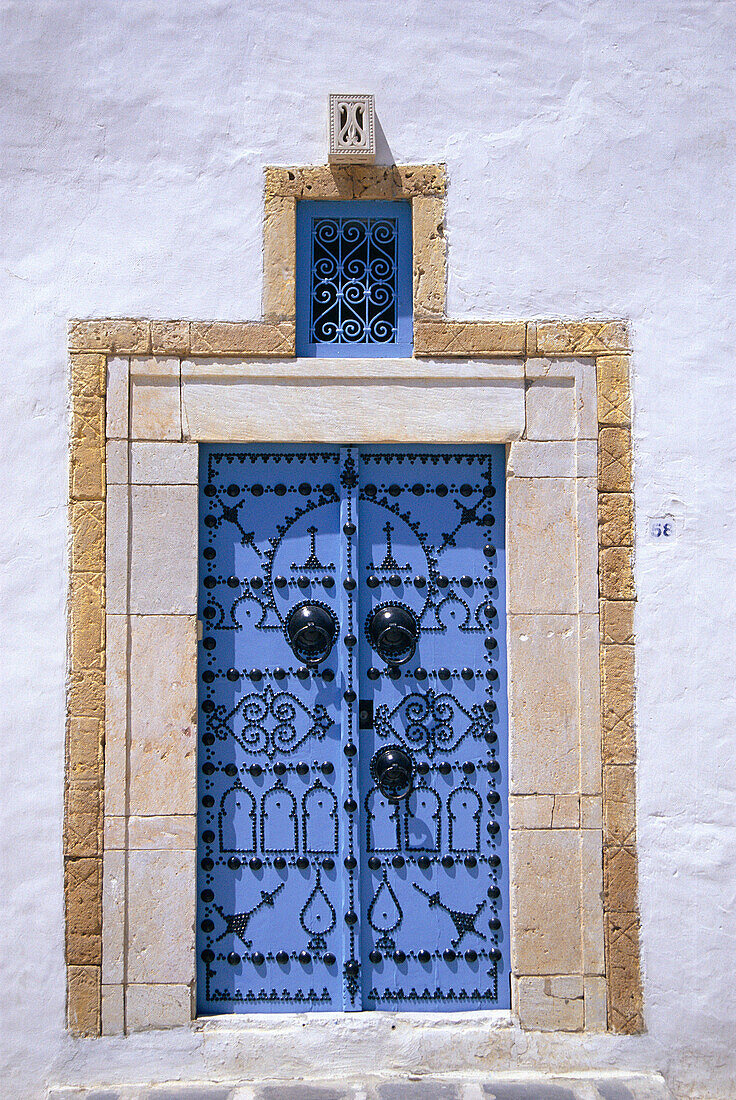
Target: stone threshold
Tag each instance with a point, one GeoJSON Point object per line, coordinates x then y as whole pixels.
{"type": "Point", "coordinates": [611, 1085]}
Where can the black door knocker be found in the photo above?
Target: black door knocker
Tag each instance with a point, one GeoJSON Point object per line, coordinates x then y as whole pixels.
{"type": "Point", "coordinates": [392, 769]}
{"type": "Point", "coordinates": [311, 629]}
{"type": "Point", "coordinates": [393, 631]}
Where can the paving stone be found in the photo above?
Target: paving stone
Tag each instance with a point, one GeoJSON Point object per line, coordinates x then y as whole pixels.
{"type": "Point", "coordinates": [537, 1090]}
{"type": "Point", "coordinates": [300, 1092]}
{"type": "Point", "coordinates": [418, 1090]}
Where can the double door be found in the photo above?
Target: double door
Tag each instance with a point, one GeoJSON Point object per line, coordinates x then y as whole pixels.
{"type": "Point", "coordinates": [352, 757]}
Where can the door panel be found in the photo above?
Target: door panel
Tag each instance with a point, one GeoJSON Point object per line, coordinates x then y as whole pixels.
{"type": "Point", "coordinates": [271, 767]}
{"type": "Point", "coordinates": [316, 889]}
{"type": "Point", "coordinates": [433, 875]}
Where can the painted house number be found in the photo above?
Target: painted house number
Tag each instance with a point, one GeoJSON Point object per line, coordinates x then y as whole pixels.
{"type": "Point", "coordinates": [662, 529]}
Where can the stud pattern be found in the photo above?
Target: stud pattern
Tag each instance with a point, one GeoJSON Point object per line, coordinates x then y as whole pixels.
{"type": "Point", "coordinates": [315, 891]}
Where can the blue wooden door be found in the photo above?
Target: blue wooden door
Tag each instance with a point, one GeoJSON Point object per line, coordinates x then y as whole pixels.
{"type": "Point", "coordinates": [352, 603]}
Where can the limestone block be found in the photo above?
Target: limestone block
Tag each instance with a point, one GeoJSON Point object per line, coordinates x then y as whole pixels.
{"type": "Point", "coordinates": [113, 1009]}
{"type": "Point", "coordinates": [164, 464]}
{"type": "Point", "coordinates": [115, 830]}
{"type": "Point", "coordinates": [531, 811]}
{"type": "Point", "coordinates": [399, 181]}
{"type": "Point", "coordinates": [614, 460]}
{"type": "Point", "coordinates": [617, 622]}
{"type": "Point", "coordinates": [161, 893]}
{"type": "Point", "coordinates": [325, 182]}
{"type": "Point", "coordinates": [581, 337]}
{"type": "Point", "coordinates": [113, 916]}
{"type": "Point", "coordinates": [566, 811]}
{"type": "Point", "coordinates": [242, 338]}
{"type": "Point", "coordinates": [586, 399]}
{"type": "Point", "coordinates": [86, 698]}
{"type": "Point", "coordinates": [614, 396]}
{"type": "Point", "coordinates": [395, 181]}
{"type": "Point", "coordinates": [121, 336]}
{"type": "Point", "coordinates": [590, 705]}
{"type": "Point", "coordinates": [170, 337]}
{"type": "Point", "coordinates": [544, 704]}
{"type": "Point", "coordinates": [116, 462]}
{"type": "Point", "coordinates": [550, 409]}
{"type": "Point", "coordinates": [620, 879]}
{"type": "Point", "coordinates": [84, 749]}
{"type": "Point", "coordinates": [546, 902]}
{"type": "Point", "coordinates": [163, 702]}
{"type": "Point", "coordinates": [319, 410]}
{"type": "Point", "coordinates": [279, 260]}
{"type": "Point", "coordinates": [308, 371]}
{"type": "Point", "coordinates": [116, 714]}
{"type": "Point", "coordinates": [617, 573]}
{"type": "Point", "coordinates": [82, 889]}
{"type": "Point", "coordinates": [617, 704]}
{"type": "Point", "coordinates": [83, 1003]}
{"type": "Point", "coordinates": [616, 519]}
{"type": "Point", "coordinates": [591, 811]}
{"type": "Point", "coordinates": [555, 458]}
{"type": "Point", "coordinates": [542, 545]}
{"type": "Point", "coordinates": [587, 544]}
{"type": "Point", "coordinates": [174, 832]}
{"type": "Point", "coordinates": [550, 1004]}
{"type": "Point", "coordinates": [469, 338]}
{"type": "Point", "coordinates": [87, 473]}
{"type": "Point", "coordinates": [116, 549]}
{"type": "Point", "coordinates": [595, 1004]}
{"type": "Point", "coordinates": [163, 571]}
{"type": "Point", "coordinates": [82, 819]}
{"type": "Point", "coordinates": [591, 857]}
{"type": "Point", "coordinates": [88, 536]}
{"type": "Point", "coordinates": [155, 399]}
{"type": "Point", "coordinates": [624, 978]}
{"type": "Point", "coordinates": [117, 397]}
{"type": "Point", "coordinates": [87, 374]}
{"type": "Point", "coordinates": [86, 619]}
{"type": "Point", "coordinates": [430, 247]}
{"type": "Point", "coordinates": [587, 458]}
{"type": "Point", "coordinates": [152, 1007]}
{"type": "Point", "coordinates": [619, 803]}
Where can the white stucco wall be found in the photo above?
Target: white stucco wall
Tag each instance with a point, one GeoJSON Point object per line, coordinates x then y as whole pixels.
{"type": "Point", "coordinates": [590, 150]}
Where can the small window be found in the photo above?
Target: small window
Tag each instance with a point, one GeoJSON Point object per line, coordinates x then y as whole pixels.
{"type": "Point", "coordinates": [353, 279]}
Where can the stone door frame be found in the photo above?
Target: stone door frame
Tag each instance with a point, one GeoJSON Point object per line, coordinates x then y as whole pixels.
{"type": "Point", "coordinates": [144, 394]}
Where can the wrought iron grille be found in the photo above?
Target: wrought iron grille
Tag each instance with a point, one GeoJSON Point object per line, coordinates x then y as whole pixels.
{"type": "Point", "coordinates": [353, 278]}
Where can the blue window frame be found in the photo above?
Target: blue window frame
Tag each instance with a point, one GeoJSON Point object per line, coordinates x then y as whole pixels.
{"type": "Point", "coordinates": [353, 279]}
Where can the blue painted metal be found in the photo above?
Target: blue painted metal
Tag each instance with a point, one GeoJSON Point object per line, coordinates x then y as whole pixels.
{"type": "Point", "coordinates": [353, 279]}
{"type": "Point", "coordinates": [314, 891]}
{"type": "Point", "coordinates": [434, 878]}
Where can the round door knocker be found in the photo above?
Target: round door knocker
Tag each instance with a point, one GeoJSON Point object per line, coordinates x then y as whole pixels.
{"type": "Point", "coordinates": [392, 769]}
{"type": "Point", "coordinates": [311, 629]}
{"type": "Point", "coordinates": [393, 631]}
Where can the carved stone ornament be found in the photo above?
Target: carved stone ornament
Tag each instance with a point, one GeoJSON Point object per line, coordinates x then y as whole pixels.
{"type": "Point", "coordinates": [352, 129]}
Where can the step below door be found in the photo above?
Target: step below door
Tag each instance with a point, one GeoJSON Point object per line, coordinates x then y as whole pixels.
{"type": "Point", "coordinates": [352, 824]}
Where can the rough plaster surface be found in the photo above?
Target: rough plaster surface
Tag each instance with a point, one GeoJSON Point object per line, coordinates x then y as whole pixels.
{"type": "Point", "coordinates": [591, 158]}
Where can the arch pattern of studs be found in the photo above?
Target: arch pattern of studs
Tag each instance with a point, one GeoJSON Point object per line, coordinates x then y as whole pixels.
{"type": "Point", "coordinates": [315, 889]}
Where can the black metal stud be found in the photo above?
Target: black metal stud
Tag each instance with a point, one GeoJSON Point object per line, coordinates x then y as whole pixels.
{"type": "Point", "coordinates": [257, 958]}
{"type": "Point", "coordinates": [424, 956]}
{"type": "Point", "coordinates": [282, 958]}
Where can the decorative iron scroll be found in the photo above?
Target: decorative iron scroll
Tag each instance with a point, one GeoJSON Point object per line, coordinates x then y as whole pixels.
{"type": "Point", "coordinates": [353, 281]}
